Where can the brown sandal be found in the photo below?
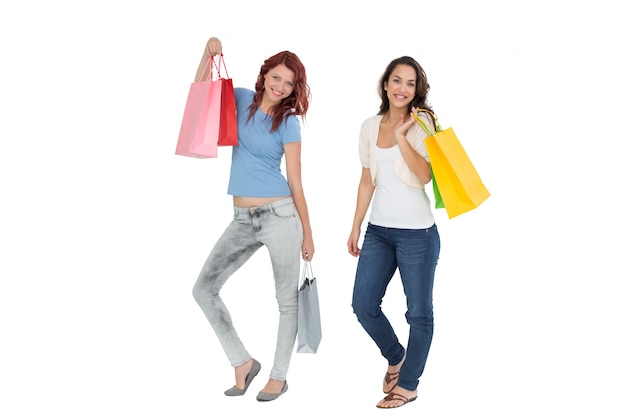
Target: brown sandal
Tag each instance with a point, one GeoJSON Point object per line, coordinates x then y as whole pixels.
{"type": "Point", "coordinates": [395, 396]}
{"type": "Point", "coordinates": [389, 378]}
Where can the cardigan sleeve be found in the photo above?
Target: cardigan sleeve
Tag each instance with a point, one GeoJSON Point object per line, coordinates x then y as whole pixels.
{"type": "Point", "coordinates": [416, 137]}
{"type": "Point", "coordinates": [365, 138]}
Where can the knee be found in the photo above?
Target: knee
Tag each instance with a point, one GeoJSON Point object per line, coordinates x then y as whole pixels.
{"type": "Point", "coordinates": [424, 320]}
{"type": "Point", "coordinates": [288, 304]}
{"type": "Point", "coordinates": [201, 290]}
{"type": "Point", "coordinates": [287, 300]}
{"type": "Point", "coordinates": [364, 310]}
{"type": "Point", "coordinates": [197, 291]}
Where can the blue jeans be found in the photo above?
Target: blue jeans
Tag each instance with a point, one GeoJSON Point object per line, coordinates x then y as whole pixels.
{"type": "Point", "coordinates": [278, 227]}
{"type": "Point", "coordinates": [414, 252]}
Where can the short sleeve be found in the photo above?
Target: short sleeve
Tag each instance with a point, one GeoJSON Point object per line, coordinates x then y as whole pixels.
{"type": "Point", "coordinates": [291, 132]}
{"type": "Point", "coordinates": [365, 138]}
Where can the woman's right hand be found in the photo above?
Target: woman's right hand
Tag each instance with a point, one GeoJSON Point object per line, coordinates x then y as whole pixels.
{"type": "Point", "coordinates": [353, 243]}
{"type": "Point", "coordinates": [213, 47]}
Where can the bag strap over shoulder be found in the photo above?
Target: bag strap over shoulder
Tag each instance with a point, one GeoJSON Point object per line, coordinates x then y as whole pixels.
{"type": "Point", "coordinates": [424, 125]}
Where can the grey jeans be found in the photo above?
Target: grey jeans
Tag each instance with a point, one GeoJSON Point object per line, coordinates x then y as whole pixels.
{"type": "Point", "coordinates": [276, 226]}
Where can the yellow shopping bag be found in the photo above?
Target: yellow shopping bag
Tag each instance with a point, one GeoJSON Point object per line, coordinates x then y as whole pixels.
{"type": "Point", "coordinates": [454, 176]}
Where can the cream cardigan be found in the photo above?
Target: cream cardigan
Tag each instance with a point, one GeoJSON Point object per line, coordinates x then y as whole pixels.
{"type": "Point", "coordinates": [367, 147]}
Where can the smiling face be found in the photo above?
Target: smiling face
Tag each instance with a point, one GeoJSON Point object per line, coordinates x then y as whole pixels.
{"type": "Point", "coordinates": [279, 82]}
{"type": "Point", "coordinates": [401, 86]}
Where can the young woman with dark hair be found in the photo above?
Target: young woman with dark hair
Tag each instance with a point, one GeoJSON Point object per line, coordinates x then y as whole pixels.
{"type": "Point", "coordinates": [401, 232]}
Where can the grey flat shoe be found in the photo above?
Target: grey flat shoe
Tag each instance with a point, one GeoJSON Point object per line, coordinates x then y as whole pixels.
{"type": "Point", "coordinates": [266, 396]}
{"type": "Point", "coordinates": [234, 391]}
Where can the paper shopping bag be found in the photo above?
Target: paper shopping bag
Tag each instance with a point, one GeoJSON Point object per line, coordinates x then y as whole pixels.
{"type": "Point", "coordinates": [436, 193]}
{"type": "Point", "coordinates": [457, 181]}
{"type": "Point", "coordinates": [199, 129]}
{"type": "Point", "coordinates": [309, 320]}
{"type": "Point", "coordinates": [228, 111]}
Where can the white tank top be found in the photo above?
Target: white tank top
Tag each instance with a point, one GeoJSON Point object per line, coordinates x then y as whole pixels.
{"type": "Point", "coordinates": [396, 204]}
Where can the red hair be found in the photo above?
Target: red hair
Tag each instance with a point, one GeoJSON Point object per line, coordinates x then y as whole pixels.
{"type": "Point", "coordinates": [297, 103]}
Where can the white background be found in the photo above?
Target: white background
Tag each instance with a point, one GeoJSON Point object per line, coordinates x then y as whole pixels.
{"type": "Point", "coordinates": [103, 230]}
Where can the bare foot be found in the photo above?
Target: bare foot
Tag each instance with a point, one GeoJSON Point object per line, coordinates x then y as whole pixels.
{"type": "Point", "coordinates": [273, 386]}
{"type": "Point", "coordinates": [397, 398]}
{"type": "Point", "coordinates": [241, 373]}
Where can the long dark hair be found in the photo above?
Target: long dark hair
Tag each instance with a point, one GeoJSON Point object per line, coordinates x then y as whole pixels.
{"type": "Point", "coordinates": [297, 103]}
{"type": "Point", "coordinates": [421, 86]}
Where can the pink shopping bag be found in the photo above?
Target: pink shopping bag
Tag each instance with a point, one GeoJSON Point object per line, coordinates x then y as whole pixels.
{"type": "Point", "coordinates": [200, 127]}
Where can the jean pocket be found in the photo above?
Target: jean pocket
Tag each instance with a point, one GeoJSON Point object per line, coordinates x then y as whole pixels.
{"type": "Point", "coordinates": [285, 211]}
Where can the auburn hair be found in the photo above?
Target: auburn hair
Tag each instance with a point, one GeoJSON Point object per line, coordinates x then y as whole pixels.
{"type": "Point", "coordinates": [297, 103]}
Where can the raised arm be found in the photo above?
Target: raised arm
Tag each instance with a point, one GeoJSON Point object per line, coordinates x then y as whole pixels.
{"type": "Point", "coordinates": [213, 47]}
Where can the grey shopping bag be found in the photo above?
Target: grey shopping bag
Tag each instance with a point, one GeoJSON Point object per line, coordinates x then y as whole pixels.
{"type": "Point", "coordinates": [309, 322]}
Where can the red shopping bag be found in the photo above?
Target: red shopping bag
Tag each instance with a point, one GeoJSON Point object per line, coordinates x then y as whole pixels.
{"type": "Point", "coordinates": [228, 111]}
{"type": "Point", "coordinates": [199, 130]}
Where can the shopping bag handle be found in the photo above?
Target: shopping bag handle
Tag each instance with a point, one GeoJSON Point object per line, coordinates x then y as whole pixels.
{"type": "Point", "coordinates": [217, 64]}
{"type": "Point", "coordinates": [423, 123]}
{"type": "Point", "coordinates": [307, 272]}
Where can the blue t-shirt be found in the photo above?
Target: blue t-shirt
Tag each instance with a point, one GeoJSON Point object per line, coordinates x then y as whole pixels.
{"type": "Point", "coordinates": [255, 168]}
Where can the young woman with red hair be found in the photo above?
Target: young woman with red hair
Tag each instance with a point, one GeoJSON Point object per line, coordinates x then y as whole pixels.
{"type": "Point", "coordinates": [269, 210]}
